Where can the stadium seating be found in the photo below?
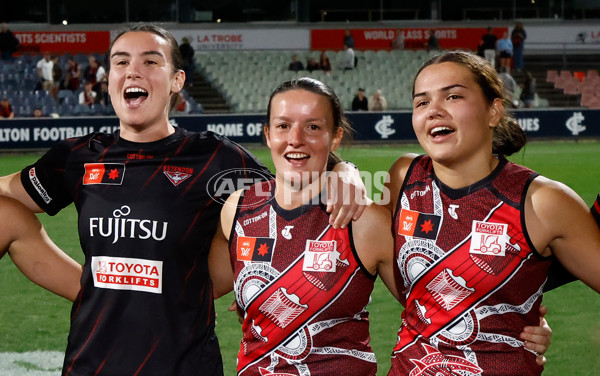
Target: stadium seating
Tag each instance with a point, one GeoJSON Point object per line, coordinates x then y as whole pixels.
{"type": "Point", "coordinates": [578, 83]}
{"type": "Point", "coordinates": [247, 78]}
{"type": "Point", "coordinates": [66, 96]}
{"type": "Point", "coordinates": [551, 75]}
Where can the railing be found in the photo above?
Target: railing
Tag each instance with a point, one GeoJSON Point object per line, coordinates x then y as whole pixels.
{"type": "Point", "coordinates": [500, 13]}
{"type": "Point", "coordinates": [329, 15]}
{"type": "Point", "coordinates": [581, 54]}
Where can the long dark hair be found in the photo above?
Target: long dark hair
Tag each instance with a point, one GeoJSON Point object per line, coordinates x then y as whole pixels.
{"type": "Point", "coordinates": [508, 137]}
{"type": "Point", "coordinates": [176, 58]}
{"type": "Point", "coordinates": [318, 87]}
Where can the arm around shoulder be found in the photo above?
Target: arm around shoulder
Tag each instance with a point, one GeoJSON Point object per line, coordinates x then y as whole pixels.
{"type": "Point", "coordinates": [560, 223]}
{"type": "Point", "coordinates": [374, 241]}
{"type": "Point", "coordinates": [11, 186]}
{"type": "Point", "coordinates": [219, 262]}
{"type": "Point", "coordinates": [397, 173]}
{"type": "Point", "coordinates": [34, 254]}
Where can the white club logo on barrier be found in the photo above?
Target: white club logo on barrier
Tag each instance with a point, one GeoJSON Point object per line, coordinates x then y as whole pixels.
{"type": "Point", "coordinates": [383, 126]}
{"type": "Point", "coordinates": [574, 123]}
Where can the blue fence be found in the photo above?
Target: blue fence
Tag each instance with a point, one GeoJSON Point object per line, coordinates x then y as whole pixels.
{"type": "Point", "coordinates": [382, 126]}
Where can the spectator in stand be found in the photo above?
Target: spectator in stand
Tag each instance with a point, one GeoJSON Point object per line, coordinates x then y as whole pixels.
{"type": "Point", "coordinates": [348, 58]}
{"type": "Point", "coordinates": [187, 52]}
{"type": "Point", "coordinates": [57, 72]}
{"type": "Point", "coordinates": [509, 87]}
{"type": "Point", "coordinates": [94, 72]}
{"type": "Point", "coordinates": [505, 51]}
{"type": "Point", "coordinates": [487, 46]}
{"type": "Point", "coordinates": [433, 42]}
{"type": "Point", "coordinates": [528, 92]}
{"type": "Point", "coordinates": [312, 64]}
{"type": "Point", "coordinates": [73, 75]}
{"type": "Point", "coordinates": [518, 37]}
{"type": "Point", "coordinates": [44, 68]}
{"type": "Point", "coordinates": [57, 76]}
{"type": "Point", "coordinates": [296, 65]}
{"type": "Point", "coordinates": [360, 102]}
{"type": "Point", "coordinates": [37, 113]}
{"type": "Point", "coordinates": [324, 62]}
{"type": "Point", "coordinates": [348, 39]}
{"type": "Point", "coordinates": [377, 102]}
{"type": "Point", "coordinates": [88, 95]}
{"type": "Point", "coordinates": [8, 42]}
{"type": "Point", "coordinates": [102, 95]}
{"type": "Point", "coordinates": [101, 73]}
{"type": "Point", "coordinates": [398, 42]}
{"type": "Point", "coordinates": [6, 111]}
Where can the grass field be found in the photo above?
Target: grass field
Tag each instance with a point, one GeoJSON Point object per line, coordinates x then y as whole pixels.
{"type": "Point", "coordinates": [32, 319]}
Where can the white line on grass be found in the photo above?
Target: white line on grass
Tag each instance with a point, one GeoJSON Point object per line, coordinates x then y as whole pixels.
{"type": "Point", "coordinates": [33, 363]}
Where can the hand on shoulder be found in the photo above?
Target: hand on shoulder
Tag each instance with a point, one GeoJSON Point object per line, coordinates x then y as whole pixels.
{"type": "Point", "coordinates": [396, 178]}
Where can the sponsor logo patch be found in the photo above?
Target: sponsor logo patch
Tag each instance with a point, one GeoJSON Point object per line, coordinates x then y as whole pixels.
{"type": "Point", "coordinates": [177, 175]}
{"type": "Point", "coordinates": [122, 273]}
{"type": "Point", "coordinates": [120, 227]}
{"type": "Point", "coordinates": [488, 238]}
{"type": "Point", "coordinates": [38, 186]}
{"type": "Point", "coordinates": [420, 225]}
{"type": "Point", "coordinates": [452, 210]}
{"type": "Point", "coordinates": [255, 249]}
{"type": "Point", "coordinates": [286, 232]}
{"type": "Point", "coordinates": [104, 173]}
{"type": "Point", "coordinates": [320, 256]}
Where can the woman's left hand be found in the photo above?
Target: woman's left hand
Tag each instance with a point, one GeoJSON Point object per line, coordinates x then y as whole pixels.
{"type": "Point", "coordinates": [537, 338]}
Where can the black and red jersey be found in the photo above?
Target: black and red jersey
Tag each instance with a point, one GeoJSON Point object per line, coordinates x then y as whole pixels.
{"type": "Point", "coordinates": [147, 214]}
{"type": "Point", "coordinates": [301, 289]}
{"type": "Point", "coordinates": [468, 272]}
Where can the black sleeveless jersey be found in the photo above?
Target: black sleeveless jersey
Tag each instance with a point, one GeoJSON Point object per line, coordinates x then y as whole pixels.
{"type": "Point", "coordinates": [147, 214]}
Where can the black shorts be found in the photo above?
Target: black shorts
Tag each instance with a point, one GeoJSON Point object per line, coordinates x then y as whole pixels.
{"type": "Point", "coordinates": [505, 54]}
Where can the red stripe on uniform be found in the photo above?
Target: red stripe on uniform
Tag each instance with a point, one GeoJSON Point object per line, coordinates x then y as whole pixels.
{"type": "Point", "coordinates": [137, 372]}
{"type": "Point", "coordinates": [85, 344]}
{"type": "Point", "coordinates": [214, 154]}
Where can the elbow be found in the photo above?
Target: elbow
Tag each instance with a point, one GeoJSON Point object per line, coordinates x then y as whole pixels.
{"type": "Point", "coordinates": [220, 291]}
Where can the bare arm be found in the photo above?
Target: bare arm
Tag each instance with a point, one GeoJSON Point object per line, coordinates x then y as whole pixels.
{"type": "Point", "coordinates": [219, 263]}
{"type": "Point", "coordinates": [346, 199]}
{"type": "Point", "coordinates": [396, 179]}
{"type": "Point", "coordinates": [372, 235]}
{"type": "Point", "coordinates": [34, 254]}
{"type": "Point", "coordinates": [560, 223]}
{"type": "Point", "coordinates": [11, 186]}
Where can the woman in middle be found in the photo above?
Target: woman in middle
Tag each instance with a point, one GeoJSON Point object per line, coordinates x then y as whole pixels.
{"type": "Point", "coordinates": [301, 286]}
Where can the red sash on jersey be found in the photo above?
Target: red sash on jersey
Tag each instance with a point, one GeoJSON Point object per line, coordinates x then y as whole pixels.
{"type": "Point", "coordinates": [292, 300]}
{"type": "Point", "coordinates": [441, 295]}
